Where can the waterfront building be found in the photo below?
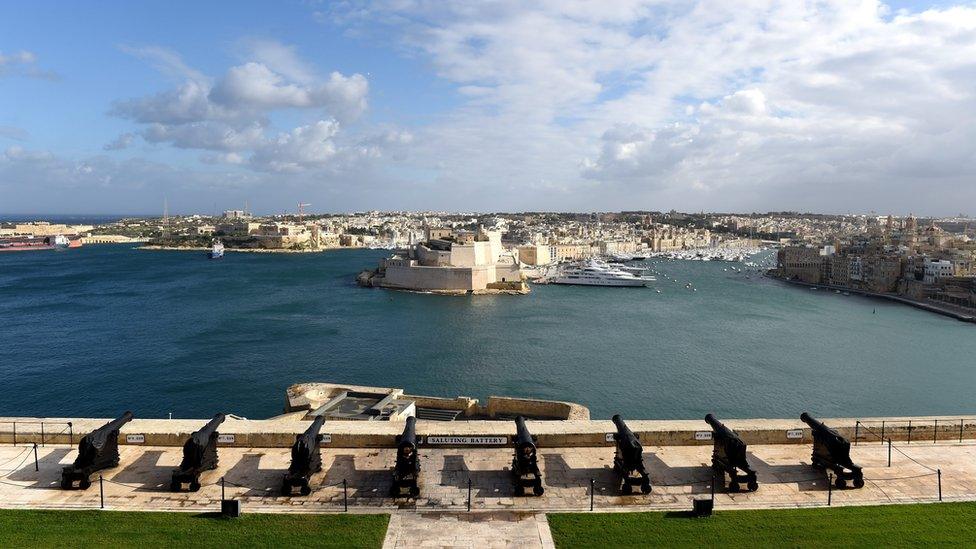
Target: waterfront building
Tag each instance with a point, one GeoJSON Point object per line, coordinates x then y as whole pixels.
{"type": "Point", "coordinates": [455, 261]}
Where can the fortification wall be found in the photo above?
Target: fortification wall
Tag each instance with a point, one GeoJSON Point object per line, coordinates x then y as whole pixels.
{"type": "Point", "coordinates": [281, 431]}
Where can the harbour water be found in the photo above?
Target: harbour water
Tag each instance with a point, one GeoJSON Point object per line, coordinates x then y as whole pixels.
{"type": "Point", "coordinates": [101, 329]}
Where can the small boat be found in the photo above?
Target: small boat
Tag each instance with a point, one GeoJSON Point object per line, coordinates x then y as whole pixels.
{"type": "Point", "coordinates": [216, 250]}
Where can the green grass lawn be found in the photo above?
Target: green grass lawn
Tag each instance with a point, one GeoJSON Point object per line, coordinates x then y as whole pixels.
{"type": "Point", "coordinates": [940, 524]}
{"type": "Point", "coordinates": [143, 530]}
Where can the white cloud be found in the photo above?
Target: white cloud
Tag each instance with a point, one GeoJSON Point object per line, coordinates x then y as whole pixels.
{"type": "Point", "coordinates": [13, 132]}
{"type": "Point", "coordinates": [301, 148]}
{"type": "Point", "coordinates": [23, 63]}
{"type": "Point", "coordinates": [231, 114]}
{"type": "Point", "coordinates": [123, 141]}
{"type": "Point", "coordinates": [834, 105]}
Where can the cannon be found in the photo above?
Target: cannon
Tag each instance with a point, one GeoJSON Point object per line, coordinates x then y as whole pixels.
{"type": "Point", "coordinates": [729, 457]}
{"type": "Point", "coordinates": [306, 460]}
{"type": "Point", "coordinates": [525, 468]}
{"type": "Point", "coordinates": [199, 455]}
{"type": "Point", "coordinates": [628, 462]}
{"type": "Point", "coordinates": [406, 470]}
{"type": "Point", "coordinates": [832, 451]}
{"type": "Point", "coordinates": [97, 450]}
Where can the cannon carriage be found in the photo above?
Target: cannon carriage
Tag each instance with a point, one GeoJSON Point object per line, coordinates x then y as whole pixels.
{"type": "Point", "coordinates": [406, 470]}
{"type": "Point", "coordinates": [525, 467]}
{"type": "Point", "coordinates": [832, 451]}
{"type": "Point", "coordinates": [729, 457]}
{"type": "Point", "coordinates": [628, 461]}
{"type": "Point", "coordinates": [306, 460]}
{"type": "Point", "coordinates": [199, 455]}
{"type": "Point", "coordinates": [96, 451]}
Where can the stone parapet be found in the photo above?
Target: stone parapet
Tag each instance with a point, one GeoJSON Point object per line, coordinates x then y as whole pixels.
{"type": "Point", "coordinates": [280, 432]}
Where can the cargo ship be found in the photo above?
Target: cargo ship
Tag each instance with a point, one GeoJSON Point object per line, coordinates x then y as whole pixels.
{"type": "Point", "coordinates": [31, 243]}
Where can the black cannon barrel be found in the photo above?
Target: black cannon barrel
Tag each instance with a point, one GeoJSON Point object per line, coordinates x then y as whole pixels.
{"type": "Point", "coordinates": [99, 437]}
{"type": "Point", "coordinates": [523, 436]}
{"type": "Point", "coordinates": [720, 427]}
{"type": "Point", "coordinates": [117, 423]}
{"type": "Point", "coordinates": [812, 422]}
{"type": "Point", "coordinates": [314, 428]}
{"type": "Point", "coordinates": [202, 436]}
{"type": "Point", "coordinates": [409, 436]}
{"type": "Point", "coordinates": [623, 431]}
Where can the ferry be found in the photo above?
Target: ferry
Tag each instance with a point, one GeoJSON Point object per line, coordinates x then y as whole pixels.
{"type": "Point", "coordinates": [30, 243]}
{"type": "Point", "coordinates": [594, 273]}
{"type": "Point", "coordinates": [217, 251]}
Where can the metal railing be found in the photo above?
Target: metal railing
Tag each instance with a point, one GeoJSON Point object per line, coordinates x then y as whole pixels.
{"type": "Point", "coordinates": [46, 433]}
{"type": "Point", "coordinates": [953, 429]}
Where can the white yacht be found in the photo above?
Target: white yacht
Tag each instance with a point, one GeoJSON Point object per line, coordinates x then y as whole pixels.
{"type": "Point", "coordinates": [595, 273]}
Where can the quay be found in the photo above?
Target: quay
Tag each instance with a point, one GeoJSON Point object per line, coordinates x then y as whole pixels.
{"type": "Point", "coordinates": [930, 307]}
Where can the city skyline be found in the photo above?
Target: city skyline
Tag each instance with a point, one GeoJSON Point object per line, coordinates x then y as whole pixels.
{"type": "Point", "coordinates": [840, 107]}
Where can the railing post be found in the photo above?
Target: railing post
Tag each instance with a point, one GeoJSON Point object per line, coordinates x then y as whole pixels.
{"type": "Point", "coordinates": [36, 466]}
{"type": "Point", "coordinates": [882, 431]}
{"type": "Point", "coordinates": [71, 435]}
{"type": "Point", "coordinates": [713, 489]}
{"type": "Point", "coordinates": [469, 494]}
{"type": "Point", "coordinates": [592, 490]}
{"type": "Point", "coordinates": [101, 492]}
{"type": "Point", "coordinates": [857, 429]}
{"type": "Point", "coordinates": [889, 452]}
{"type": "Point", "coordinates": [909, 432]}
{"type": "Point", "coordinates": [935, 436]}
{"type": "Point", "coordinates": [939, 473]}
{"type": "Point", "coordinates": [222, 496]}
{"type": "Point", "coordinates": [345, 497]}
{"type": "Point", "coordinates": [830, 487]}
{"type": "Point", "coordinates": [960, 429]}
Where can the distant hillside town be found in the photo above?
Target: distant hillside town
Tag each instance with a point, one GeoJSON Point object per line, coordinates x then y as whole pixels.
{"type": "Point", "coordinates": [899, 257]}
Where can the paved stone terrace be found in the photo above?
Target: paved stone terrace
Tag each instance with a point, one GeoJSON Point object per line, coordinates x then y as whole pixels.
{"type": "Point", "coordinates": [679, 474]}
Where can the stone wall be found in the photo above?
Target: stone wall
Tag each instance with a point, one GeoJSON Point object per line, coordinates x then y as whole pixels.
{"type": "Point", "coordinates": [280, 432]}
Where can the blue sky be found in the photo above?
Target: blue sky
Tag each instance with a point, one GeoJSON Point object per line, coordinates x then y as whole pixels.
{"type": "Point", "coordinates": [109, 107]}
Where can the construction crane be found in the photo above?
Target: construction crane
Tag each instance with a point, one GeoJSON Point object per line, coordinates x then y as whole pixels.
{"type": "Point", "coordinates": [301, 210]}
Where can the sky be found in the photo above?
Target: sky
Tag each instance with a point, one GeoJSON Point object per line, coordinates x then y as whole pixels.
{"type": "Point", "coordinates": [555, 105]}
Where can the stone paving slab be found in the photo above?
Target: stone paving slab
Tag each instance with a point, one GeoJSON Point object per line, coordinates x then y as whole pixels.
{"type": "Point", "coordinates": [446, 529]}
{"type": "Point", "coordinates": [678, 473]}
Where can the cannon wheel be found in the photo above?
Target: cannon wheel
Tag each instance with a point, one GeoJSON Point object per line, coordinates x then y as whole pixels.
{"type": "Point", "coordinates": [414, 491]}
{"type": "Point", "coordinates": [626, 489]}
{"type": "Point", "coordinates": [859, 482]}
{"type": "Point", "coordinates": [305, 490]}
{"type": "Point", "coordinates": [394, 491]}
{"type": "Point", "coordinates": [646, 486]}
{"type": "Point", "coordinates": [538, 489]}
{"type": "Point", "coordinates": [752, 485]}
{"type": "Point", "coordinates": [839, 482]}
{"type": "Point", "coordinates": [65, 484]}
{"type": "Point", "coordinates": [194, 486]}
{"type": "Point", "coordinates": [519, 490]}
{"type": "Point", "coordinates": [733, 486]}
{"type": "Point", "coordinates": [84, 484]}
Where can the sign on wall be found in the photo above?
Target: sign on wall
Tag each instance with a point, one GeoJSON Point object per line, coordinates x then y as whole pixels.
{"type": "Point", "coordinates": [703, 435]}
{"type": "Point", "coordinates": [469, 441]}
{"type": "Point", "coordinates": [225, 439]}
{"type": "Point", "coordinates": [135, 439]}
{"type": "Point", "coordinates": [794, 433]}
